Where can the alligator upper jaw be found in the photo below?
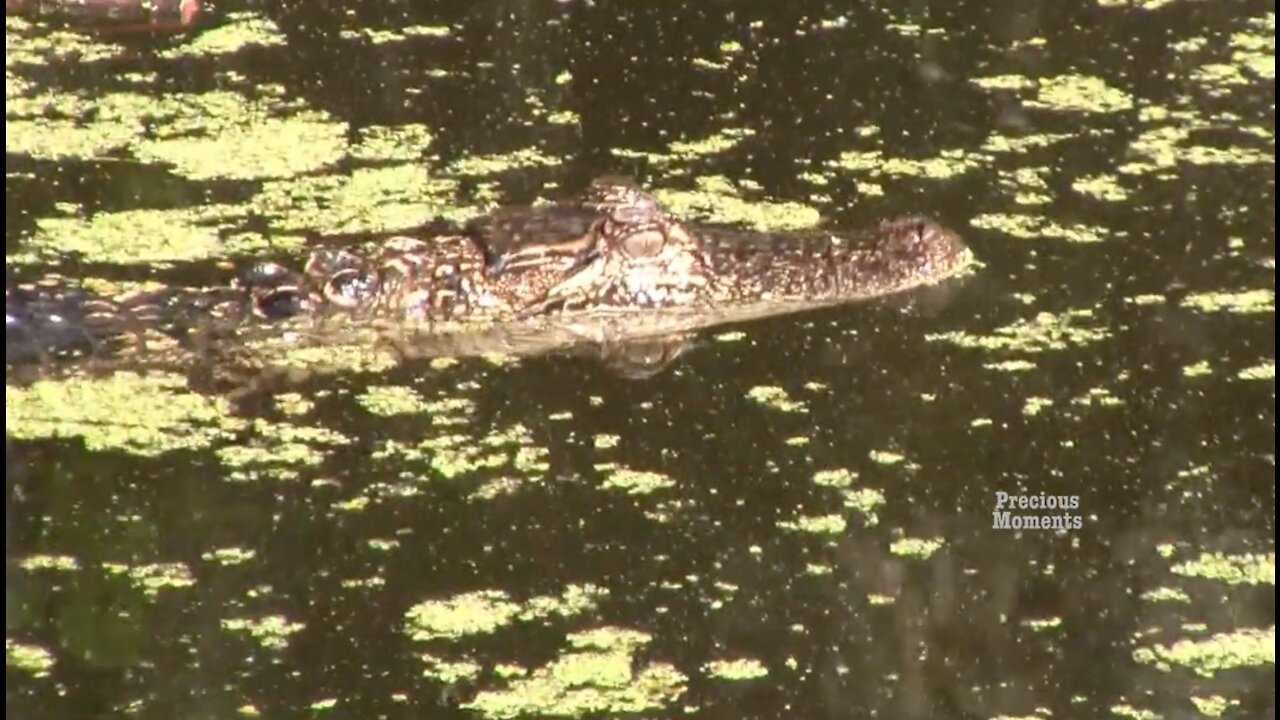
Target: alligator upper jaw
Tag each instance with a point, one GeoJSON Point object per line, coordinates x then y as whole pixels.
{"type": "Point", "coordinates": [726, 275]}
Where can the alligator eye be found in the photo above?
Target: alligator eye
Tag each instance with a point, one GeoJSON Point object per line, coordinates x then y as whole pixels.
{"type": "Point", "coordinates": [643, 244]}
{"type": "Point", "coordinates": [347, 288]}
{"type": "Point", "coordinates": [264, 273]}
{"type": "Point", "coordinates": [281, 303]}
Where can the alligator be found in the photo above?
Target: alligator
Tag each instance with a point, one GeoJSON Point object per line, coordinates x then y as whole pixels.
{"type": "Point", "coordinates": [611, 268]}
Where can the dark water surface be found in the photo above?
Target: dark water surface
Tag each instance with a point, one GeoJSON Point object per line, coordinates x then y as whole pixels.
{"type": "Point", "coordinates": [795, 519]}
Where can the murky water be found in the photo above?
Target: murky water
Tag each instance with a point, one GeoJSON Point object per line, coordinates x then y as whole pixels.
{"type": "Point", "coordinates": [798, 517]}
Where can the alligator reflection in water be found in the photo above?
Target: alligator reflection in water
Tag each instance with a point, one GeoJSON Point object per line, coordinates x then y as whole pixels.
{"type": "Point", "coordinates": [612, 272]}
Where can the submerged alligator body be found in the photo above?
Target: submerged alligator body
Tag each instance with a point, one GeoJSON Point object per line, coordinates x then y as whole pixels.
{"type": "Point", "coordinates": [611, 269]}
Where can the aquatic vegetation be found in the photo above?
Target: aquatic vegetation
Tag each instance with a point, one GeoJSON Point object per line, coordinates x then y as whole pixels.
{"type": "Point", "coordinates": [921, 548]}
{"type": "Point", "coordinates": [1248, 568]}
{"type": "Point", "coordinates": [1247, 647]}
{"type": "Point", "coordinates": [717, 200]}
{"type": "Point", "coordinates": [1046, 332]}
{"type": "Point", "coordinates": [776, 398]}
{"type": "Point", "coordinates": [271, 632]}
{"type": "Point", "coordinates": [736, 669]}
{"type": "Point", "coordinates": [145, 415]}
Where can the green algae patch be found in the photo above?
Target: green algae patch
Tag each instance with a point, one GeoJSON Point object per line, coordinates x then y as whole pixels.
{"type": "Point", "coordinates": [475, 613]}
{"type": "Point", "coordinates": [1250, 647]}
{"type": "Point", "coordinates": [1004, 82]}
{"type": "Point", "coordinates": [1264, 371]}
{"type": "Point", "coordinates": [864, 501]}
{"type": "Point", "coordinates": [132, 236]}
{"type": "Point", "coordinates": [377, 199]}
{"type": "Point", "coordinates": [293, 404]}
{"type": "Point", "coordinates": [720, 142]}
{"type": "Point", "coordinates": [152, 578]}
{"type": "Point", "coordinates": [228, 556]}
{"type": "Point", "coordinates": [947, 164]}
{"type": "Point", "coordinates": [53, 139]}
{"type": "Point", "coordinates": [816, 524]}
{"type": "Point", "coordinates": [401, 143]}
{"type": "Point", "coordinates": [60, 563]}
{"type": "Point", "coordinates": [484, 612]}
{"type": "Point", "coordinates": [451, 411]}
{"type": "Point", "coordinates": [449, 456]}
{"type": "Point", "coordinates": [432, 31]}
{"type": "Point", "coordinates": [1163, 147]}
{"type": "Point", "coordinates": [1249, 568]}
{"type": "Point", "coordinates": [49, 47]}
{"type": "Point", "coordinates": [484, 165]}
{"type": "Point", "coordinates": [1097, 397]}
{"type": "Point", "coordinates": [1128, 711]}
{"type": "Point", "coordinates": [1031, 227]}
{"type": "Point", "coordinates": [1220, 76]}
{"type": "Point", "coordinates": [921, 548]}
{"type": "Point", "coordinates": [598, 676]}
{"type": "Point", "coordinates": [1213, 705]}
{"type": "Point", "coordinates": [1246, 302]}
{"type": "Point", "coordinates": [716, 199]}
{"type": "Point", "coordinates": [837, 478]}
{"type": "Point", "coordinates": [142, 415]}
{"type": "Point", "coordinates": [31, 659]}
{"type": "Point", "coordinates": [389, 400]}
{"type": "Point", "coordinates": [510, 670]}
{"type": "Point", "coordinates": [1011, 366]}
{"type": "Point", "coordinates": [777, 398]}
{"type": "Point", "coordinates": [1035, 405]}
{"type": "Point", "coordinates": [1027, 185]}
{"type": "Point", "coordinates": [998, 143]}
{"type": "Point", "coordinates": [637, 482]}
{"type": "Point", "coordinates": [262, 147]}
{"type": "Point", "coordinates": [736, 669]}
{"type": "Point", "coordinates": [278, 451]}
{"type": "Point", "coordinates": [1256, 53]}
{"type": "Point", "coordinates": [1080, 93]}
{"type": "Point", "coordinates": [885, 457]}
{"type": "Point", "coordinates": [605, 441]}
{"type": "Point", "coordinates": [1199, 369]}
{"type": "Point", "coordinates": [1045, 332]}
{"type": "Point", "coordinates": [241, 30]}
{"type": "Point", "coordinates": [1166, 594]}
{"type": "Point", "coordinates": [1101, 187]}
{"type": "Point", "coordinates": [1146, 299]}
{"type": "Point", "coordinates": [449, 671]}
{"type": "Point", "coordinates": [455, 455]}
{"type": "Point", "coordinates": [1043, 624]}
{"type": "Point", "coordinates": [498, 487]}
{"type": "Point", "coordinates": [271, 632]}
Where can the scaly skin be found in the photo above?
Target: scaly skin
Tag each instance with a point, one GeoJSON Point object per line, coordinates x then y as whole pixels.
{"type": "Point", "coordinates": [608, 267]}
